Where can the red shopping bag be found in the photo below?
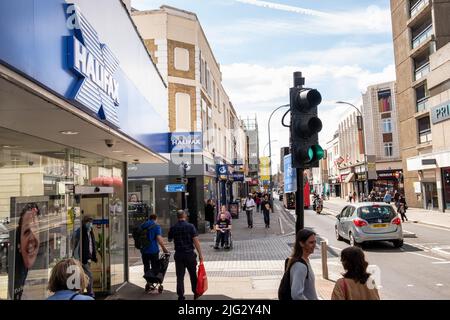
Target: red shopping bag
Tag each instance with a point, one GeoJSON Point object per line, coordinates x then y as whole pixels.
{"type": "Point", "coordinates": [202, 280]}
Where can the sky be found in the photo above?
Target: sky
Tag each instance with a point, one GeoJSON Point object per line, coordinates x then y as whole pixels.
{"type": "Point", "coordinates": [341, 47]}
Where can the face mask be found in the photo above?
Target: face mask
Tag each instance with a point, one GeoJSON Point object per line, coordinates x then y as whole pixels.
{"type": "Point", "coordinates": [89, 225]}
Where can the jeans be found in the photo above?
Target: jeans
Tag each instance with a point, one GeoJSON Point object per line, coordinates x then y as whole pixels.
{"type": "Point", "coordinates": [266, 218]}
{"type": "Point", "coordinates": [249, 217]}
{"type": "Point", "coordinates": [183, 262]}
{"type": "Point", "coordinates": [222, 238]}
{"type": "Point", "coordinates": [152, 260]}
{"type": "Point", "coordinates": [87, 270]}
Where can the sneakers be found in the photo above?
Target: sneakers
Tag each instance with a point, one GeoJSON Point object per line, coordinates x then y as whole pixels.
{"type": "Point", "coordinates": [147, 287]}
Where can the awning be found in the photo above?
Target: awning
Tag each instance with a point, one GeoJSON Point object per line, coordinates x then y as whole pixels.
{"type": "Point", "coordinates": [349, 178]}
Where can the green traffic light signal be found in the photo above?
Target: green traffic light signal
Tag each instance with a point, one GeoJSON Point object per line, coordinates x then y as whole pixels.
{"type": "Point", "coordinates": [315, 153]}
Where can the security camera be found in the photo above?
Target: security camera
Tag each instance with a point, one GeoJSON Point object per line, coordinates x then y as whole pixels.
{"type": "Point", "coordinates": [110, 143]}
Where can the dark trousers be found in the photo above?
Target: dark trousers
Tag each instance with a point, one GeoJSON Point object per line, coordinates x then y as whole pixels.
{"type": "Point", "coordinates": [258, 207]}
{"type": "Point", "coordinates": [151, 262]}
{"type": "Point", "coordinates": [249, 217]}
{"type": "Point", "coordinates": [222, 238]}
{"type": "Point", "coordinates": [266, 218]}
{"type": "Point", "coordinates": [183, 262]}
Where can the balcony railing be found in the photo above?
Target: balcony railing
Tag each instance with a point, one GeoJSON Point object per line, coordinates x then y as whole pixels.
{"type": "Point", "coordinates": [422, 71]}
{"type": "Point", "coordinates": [425, 136]}
{"type": "Point", "coordinates": [422, 104]}
{"type": "Point", "coordinates": [422, 37]}
{"type": "Point", "coordinates": [418, 6]}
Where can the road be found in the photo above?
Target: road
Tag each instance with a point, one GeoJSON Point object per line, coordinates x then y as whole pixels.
{"type": "Point", "coordinates": [418, 270]}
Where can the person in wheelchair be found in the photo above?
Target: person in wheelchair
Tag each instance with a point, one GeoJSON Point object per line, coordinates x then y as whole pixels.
{"type": "Point", "coordinates": [223, 229]}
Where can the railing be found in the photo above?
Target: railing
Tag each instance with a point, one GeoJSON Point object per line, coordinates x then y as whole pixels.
{"type": "Point", "coordinates": [422, 104]}
{"type": "Point", "coordinates": [423, 36]}
{"type": "Point", "coordinates": [425, 136]}
{"type": "Point", "coordinates": [418, 6]}
{"type": "Point", "coordinates": [422, 71]}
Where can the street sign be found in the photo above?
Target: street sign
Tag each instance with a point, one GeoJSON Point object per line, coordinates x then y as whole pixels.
{"type": "Point", "coordinates": [290, 176]}
{"type": "Point", "coordinates": [175, 188]}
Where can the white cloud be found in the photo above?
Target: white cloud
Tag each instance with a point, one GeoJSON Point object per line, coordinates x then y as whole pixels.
{"type": "Point", "coordinates": [283, 7]}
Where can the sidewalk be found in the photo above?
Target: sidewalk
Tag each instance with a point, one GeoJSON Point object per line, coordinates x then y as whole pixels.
{"type": "Point", "coordinates": [415, 215]}
{"type": "Point", "coordinates": [251, 270]}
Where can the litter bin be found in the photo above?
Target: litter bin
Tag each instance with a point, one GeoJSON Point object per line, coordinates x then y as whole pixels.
{"type": "Point", "coordinates": [234, 209]}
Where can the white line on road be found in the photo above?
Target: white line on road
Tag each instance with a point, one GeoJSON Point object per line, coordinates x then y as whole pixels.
{"type": "Point", "coordinates": [410, 285]}
{"type": "Point", "coordinates": [441, 262]}
{"type": "Point", "coordinates": [425, 256]}
{"type": "Point", "coordinates": [334, 248]}
{"type": "Point", "coordinates": [439, 284]}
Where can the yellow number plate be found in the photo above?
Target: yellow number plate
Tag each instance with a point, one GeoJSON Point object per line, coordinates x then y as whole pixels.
{"type": "Point", "coordinates": [380, 225]}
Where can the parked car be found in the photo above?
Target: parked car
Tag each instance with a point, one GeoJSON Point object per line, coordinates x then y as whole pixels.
{"type": "Point", "coordinates": [368, 221]}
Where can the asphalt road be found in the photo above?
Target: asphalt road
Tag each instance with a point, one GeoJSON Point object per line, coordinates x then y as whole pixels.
{"type": "Point", "coordinates": [418, 270]}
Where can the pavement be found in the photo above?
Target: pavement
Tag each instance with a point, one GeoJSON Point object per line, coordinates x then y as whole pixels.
{"type": "Point", "coordinates": [415, 215]}
{"type": "Point", "coordinates": [252, 269]}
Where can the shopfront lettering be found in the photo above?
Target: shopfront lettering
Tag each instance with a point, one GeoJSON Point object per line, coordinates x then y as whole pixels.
{"type": "Point", "coordinates": [86, 64]}
{"type": "Point", "coordinates": [441, 113]}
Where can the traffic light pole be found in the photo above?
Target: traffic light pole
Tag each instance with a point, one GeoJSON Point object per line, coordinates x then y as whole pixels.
{"type": "Point", "coordinates": [299, 203]}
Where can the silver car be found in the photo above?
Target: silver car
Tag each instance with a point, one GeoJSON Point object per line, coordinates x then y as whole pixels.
{"type": "Point", "coordinates": [367, 221]}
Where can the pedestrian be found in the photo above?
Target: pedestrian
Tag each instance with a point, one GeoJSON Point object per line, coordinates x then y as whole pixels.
{"type": "Point", "coordinates": [266, 209]}
{"type": "Point", "coordinates": [387, 197]}
{"type": "Point", "coordinates": [249, 205]}
{"type": "Point", "coordinates": [210, 213]}
{"type": "Point", "coordinates": [223, 228]}
{"type": "Point", "coordinates": [63, 284]}
{"type": "Point", "coordinates": [185, 238]}
{"type": "Point", "coordinates": [87, 251]}
{"type": "Point", "coordinates": [354, 196]}
{"type": "Point", "coordinates": [223, 210]}
{"type": "Point", "coordinates": [302, 277]}
{"type": "Point", "coordinates": [401, 208]}
{"type": "Point", "coordinates": [350, 197]}
{"type": "Point", "coordinates": [258, 204]}
{"type": "Point", "coordinates": [396, 196]}
{"type": "Point", "coordinates": [354, 284]}
{"type": "Point", "coordinates": [150, 250]}
{"type": "Point", "coordinates": [328, 195]}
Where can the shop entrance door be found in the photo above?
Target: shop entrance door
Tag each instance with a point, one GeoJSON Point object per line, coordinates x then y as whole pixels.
{"type": "Point", "coordinates": [94, 201]}
{"type": "Point", "coordinates": [431, 196]}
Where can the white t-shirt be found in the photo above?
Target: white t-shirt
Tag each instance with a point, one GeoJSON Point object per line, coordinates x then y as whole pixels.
{"type": "Point", "coordinates": [249, 204]}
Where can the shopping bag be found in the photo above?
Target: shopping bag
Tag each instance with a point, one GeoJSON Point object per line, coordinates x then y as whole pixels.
{"type": "Point", "coordinates": [202, 280]}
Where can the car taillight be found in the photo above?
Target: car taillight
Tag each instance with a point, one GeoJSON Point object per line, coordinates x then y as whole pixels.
{"type": "Point", "coordinates": [396, 221]}
{"type": "Point", "coordinates": [359, 223]}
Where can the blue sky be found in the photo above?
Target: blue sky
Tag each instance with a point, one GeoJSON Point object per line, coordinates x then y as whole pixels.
{"type": "Point", "coordinates": [340, 46]}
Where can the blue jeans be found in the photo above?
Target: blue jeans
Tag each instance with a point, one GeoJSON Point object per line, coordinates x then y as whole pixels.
{"type": "Point", "coordinates": [87, 270]}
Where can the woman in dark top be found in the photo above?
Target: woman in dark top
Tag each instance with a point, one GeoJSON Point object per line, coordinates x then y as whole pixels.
{"type": "Point", "coordinates": [209, 213]}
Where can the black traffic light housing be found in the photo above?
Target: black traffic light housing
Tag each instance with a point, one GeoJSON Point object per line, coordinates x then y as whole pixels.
{"type": "Point", "coordinates": [305, 128]}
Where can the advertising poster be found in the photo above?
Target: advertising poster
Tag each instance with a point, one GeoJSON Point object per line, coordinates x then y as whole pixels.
{"type": "Point", "coordinates": [28, 258]}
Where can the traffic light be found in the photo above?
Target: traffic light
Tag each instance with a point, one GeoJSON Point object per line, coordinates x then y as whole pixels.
{"type": "Point", "coordinates": [305, 128]}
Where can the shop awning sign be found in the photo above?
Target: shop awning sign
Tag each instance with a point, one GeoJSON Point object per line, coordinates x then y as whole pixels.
{"type": "Point", "coordinates": [189, 142]}
{"type": "Point", "coordinates": [93, 62]}
{"type": "Point", "coordinates": [440, 113]}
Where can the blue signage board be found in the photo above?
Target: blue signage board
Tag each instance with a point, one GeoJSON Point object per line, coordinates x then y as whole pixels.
{"type": "Point", "coordinates": [175, 187]}
{"type": "Point", "coordinates": [238, 176]}
{"type": "Point", "coordinates": [290, 177]}
{"type": "Point", "coordinates": [188, 142]}
{"type": "Point", "coordinates": [222, 170]}
{"type": "Point", "coordinates": [99, 222]}
{"type": "Point", "coordinates": [101, 68]}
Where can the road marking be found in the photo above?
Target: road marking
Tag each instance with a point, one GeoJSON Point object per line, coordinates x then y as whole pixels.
{"type": "Point", "coordinates": [425, 256]}
{"type": "Point", "coordinates": [441, 262]}
{"type": "Point", "coordinates": [334, 248]}
{"type": "Point", "coordinates": [410, 285]}
{"type": "Point", "coordinates": [439, 284]}
{"type": "Point", "coordinates": [441, 250]}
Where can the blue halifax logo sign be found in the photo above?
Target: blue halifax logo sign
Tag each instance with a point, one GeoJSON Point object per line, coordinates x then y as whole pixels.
{"type": "Point", "coordinates": [95, 66]}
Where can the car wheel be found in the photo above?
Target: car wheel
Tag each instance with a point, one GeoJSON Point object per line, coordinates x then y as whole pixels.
{"type": "Point", "coordinates": [338, 236]}
{"type": "Point", "coordinates": [397, 243]}
{"type": "Point", "coordinates": [353, 242]}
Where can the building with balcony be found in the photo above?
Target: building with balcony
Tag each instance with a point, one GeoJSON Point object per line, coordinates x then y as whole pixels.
{"type": "Point", "coordinates": [421, 32]}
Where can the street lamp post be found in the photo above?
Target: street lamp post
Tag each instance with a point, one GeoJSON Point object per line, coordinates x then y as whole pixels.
{"type": "Point", "coordinates": [270, 146]}
{"type": "Point", "coordinates": [364, 143]}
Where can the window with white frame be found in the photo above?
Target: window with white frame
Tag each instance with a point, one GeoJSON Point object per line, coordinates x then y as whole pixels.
{"type": "Point", "coordinates": [387, 125]}
{"type": "Point", "coordinates": [181, 59]}
{"type": "Point", "coordinates": [183, 112]}
{"type": "Point", "coordinates": [388, 150]}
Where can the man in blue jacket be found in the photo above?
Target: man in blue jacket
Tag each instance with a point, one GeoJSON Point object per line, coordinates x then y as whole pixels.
{"type": "Point", "coordinates": [150, 254]}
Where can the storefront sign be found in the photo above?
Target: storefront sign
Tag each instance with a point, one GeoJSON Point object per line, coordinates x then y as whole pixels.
{"type": "Point", "coordinates": [388, 174]}
{"type": "Point", "coordinates": [95, 65]}
{"type": "Point", "coordinates": [361, 177]}
{"type": "Point", "coordinates": [188, 142]}
{"type": "Point", "coordinates": [426, 162]}
{"type": "Point", "coordinates": [238, 176]}
{"type": "Point", "coordinates": [440, 113]}
{"type": "Point", "coordinates": [181, 187]}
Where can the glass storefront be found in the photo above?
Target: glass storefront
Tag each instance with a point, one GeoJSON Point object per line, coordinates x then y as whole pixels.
{"type": "Point", "coordinates": [446, 182]}
{"type": "Point", "coordinates": [40, 210]}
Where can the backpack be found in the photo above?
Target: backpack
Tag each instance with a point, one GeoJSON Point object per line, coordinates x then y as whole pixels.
{"type": "Point", "coordinates": [284, 290]}
{"type": "Point", "coordinates": [140, 237]}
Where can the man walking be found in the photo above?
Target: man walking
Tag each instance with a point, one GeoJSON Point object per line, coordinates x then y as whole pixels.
{"type": "Point", "coordinates": [185, 237]}
{"type": "Point", "coordinates": [150, 252]}
{"type": "Point", "coordinates": [266, 208]}
{"type": "Point", "coordinates": [249, 206]}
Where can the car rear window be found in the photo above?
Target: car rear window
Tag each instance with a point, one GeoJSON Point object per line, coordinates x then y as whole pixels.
{"type": "Point", "coordinates": [385, 213]}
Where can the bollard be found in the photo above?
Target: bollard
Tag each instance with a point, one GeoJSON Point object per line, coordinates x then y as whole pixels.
{"type": "Point", "coordinates": [324, 250]}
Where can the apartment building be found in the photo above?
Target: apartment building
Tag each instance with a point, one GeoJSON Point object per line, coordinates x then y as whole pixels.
{"type": "Point", "coordinates": [421, 33]}
{"type": "Point", "coordinates": [334, 159]}
{"type": "Point", "coordinates": [198, 105]}
{"type": "Point", "coordinates": [380, 114]}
